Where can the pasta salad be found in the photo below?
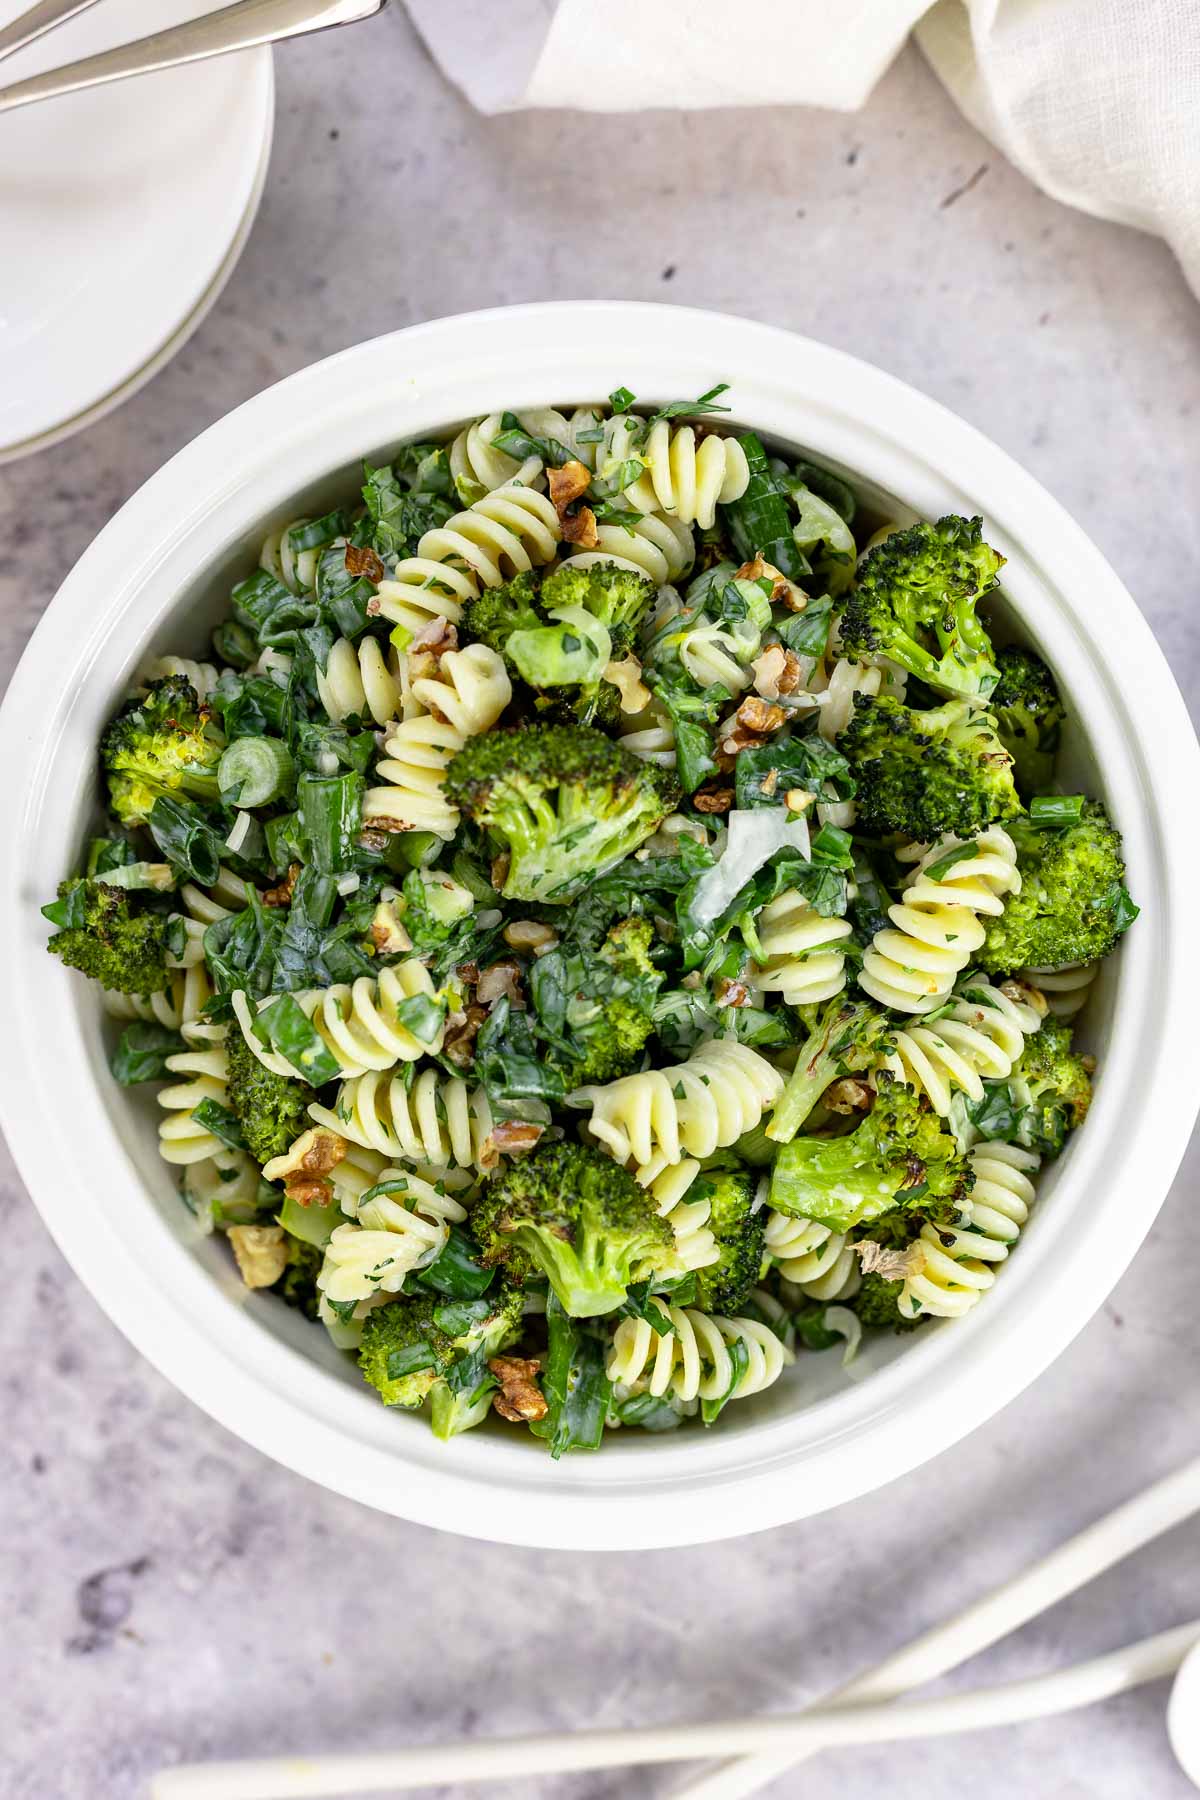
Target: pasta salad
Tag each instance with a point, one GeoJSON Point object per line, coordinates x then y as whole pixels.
{"type": "Point", "coordinates": [601, 922]}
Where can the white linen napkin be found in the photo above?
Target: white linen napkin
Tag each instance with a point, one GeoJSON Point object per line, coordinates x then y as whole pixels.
{"type": "Point", "coordinates": [1097, 101]}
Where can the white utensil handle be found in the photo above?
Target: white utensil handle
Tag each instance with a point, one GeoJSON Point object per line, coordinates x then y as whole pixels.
{"type": "Point", "coordinates": [1066, 1569]}
{"type": "Point", "coordinates": [242, 26]}
{"type": "Point", "coordinates": [299, 1778]}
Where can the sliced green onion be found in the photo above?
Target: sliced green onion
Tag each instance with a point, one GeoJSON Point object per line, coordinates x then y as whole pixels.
{"type": "Point", "coordinates": [246, 838]}
{"type": "Point", "coordinates": [400, 637]}
{"type": "Point", "coordinates": [254, 771]}
{"type": "Point", "coordinates": [234, 644]}
{"type": "Point", "coordinates": [1056, 809]}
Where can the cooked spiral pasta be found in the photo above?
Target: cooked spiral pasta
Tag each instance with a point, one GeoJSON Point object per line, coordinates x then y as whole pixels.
{"type": "Point", "coordinates": [476, 464]}
{"type": "Point", "coordinates": [297, 569]}
{"type": "Point", "coordinates": [1067, 988]}
{"type": "Point", "coordinates": [465, 698]}
{"type": "Point", "coordinates": [978, 1039]}
{"type": "Point", "coordinates": [656, 546]}
{"type": "Point", "coordinates": [201, 908]}
{"type": "Point", "coordinates": [394, 1234]}
{"type": "Point", "coordinates": [936, 920]}
{"type": "Point", "coordinates": [956, 1265]}
{"type": "Point", "coordinates": [221, 1188]}
{"type": "Point", "coordinates": [360, 680]}
{"type": "Point", "coordinates": [359, 1025]}
{"type": "Point", "coordinates": [691, 1109]}
{"type": "Point", "coordinates": [439, 1121]}
{"type": "Point", "coordinates": [802, 961]}
{"type": "Point", "coordinates": [682, 476]}
{"type": "Point", "coordinates": [507, 532]}
{"type": "Point", "coordinates": [651, 736]}
{"type": "Point", "coordinates": [818, 1261]}
{"type": "Point", "coordinates": [181, 1137]}
{"type": "Point", "coordinates": [692, 1361]}
{"type": "Point", "coordinates": [713, 655]}
{"type": "Point", "coordinates": [179, 1007]}
{"type": "Point", "coordinates": [669, 1184]}
{"type": "Point", "coordinates": [202, 675]}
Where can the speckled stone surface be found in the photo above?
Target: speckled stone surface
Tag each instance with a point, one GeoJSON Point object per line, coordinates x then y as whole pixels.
{"type": "Point", "coordinates": [170, 1594]}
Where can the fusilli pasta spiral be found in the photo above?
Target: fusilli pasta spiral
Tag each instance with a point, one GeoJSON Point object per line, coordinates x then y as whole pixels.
{"type": "Point", "coordinates": [202, 675]}
{"type": "Point", "coordinates": [978, 1039]}
{"type": "Point", "coordinates": [394, 1234]}
{"type": "Point", "coordinates": [691, 1109]}
{"type": "Point", "coordinates": [669, 1184]}
{"type": "Point", "coordinates": [182, 1138]}
{"type": "Point", "coordinates": [476, 463]}
{"type": "Point", "coordinates": [509, 531]}
{"type": "Point", "coordinates": [656, 546]}
{"type": "Point", "coordinates": [956, 1265]}
{"type": "Point", "coordinates": [818, 1261]}
{"type": "Point", "coordinates": [802, 961]}
{"type": "Point", "coordinates": [439, 1121]}
{"type": "Point", "coordinates": [650, 736]}
{"type": "Point", "coordinates": [359, 1025]}
{"type": "Point", "coordinates": [467, 697]}
{"type": "Point", "coordinates": [1067, 988]}
{"type": "Point", "coordinates": [937, 930]}
{"type": "Point", "coordinates": [692, 1361]}
{"type": "Point", "coordinates": [360, 681]}
{"type": "Point", "coordinates": [297, 569]}
{"type": "Point", "coordinates": [683, 476]}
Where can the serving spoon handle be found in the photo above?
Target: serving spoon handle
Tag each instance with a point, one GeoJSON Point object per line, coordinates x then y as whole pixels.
{"type": "Point", "coordinates": [243, 26]}
{"type": "Point", "coordinates": [37, 21]}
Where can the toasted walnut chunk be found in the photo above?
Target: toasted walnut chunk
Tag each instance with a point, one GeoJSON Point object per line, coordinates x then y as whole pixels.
{"type": "Point", "coordinates": [462, 1028]}
{"type": "Point", "coordinates": [777, 671]}
{"type": "Point", "coordinates": [387, 933]}
{"type": "Point", "coordinates": [848, 1096]}
{"type": "Point", "coordinates": [732, 993]}
{"type": "Point", "coordinates": [713, 800]}
{"type": "Point", "coordinates": [501, 981]}
{"type": "Point", "coordinates": [580, 528]}
{"type": "Point", "coordinates": [282, 895]}
{"type": "Point", "coordinates": [520, 1398]}
{"type": "Point", "coordinates": [362, 560]}
{"type": "Point", "coordinates": [314, 1153]}
{"type": "Point", "coordinates": [567, 484]}
{"type": "Point", "coordinates": [511, 1137]}
{"type": "Point", "coordinates": [756, 714]}
{"type": "Point", "coordinates": [626, 677]}
{"type": "Point", "coordinates": [893, 1265]}
{"type": "Point", "coordinates": [260, 1252]}
{"type": "Point", "coordinates": [1024, 993]}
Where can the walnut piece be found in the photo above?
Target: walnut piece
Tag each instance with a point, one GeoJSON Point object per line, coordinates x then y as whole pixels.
{"type": "Point", "coordinates": [732, 993]}
{"type": "Point", "coordinates": [777, 671]}
{"type": "Point", "coordinates": [387, 933]}
{"type": "Point", "coordinates": [713, 800]}
{"type": "Point", "coordinates": [314, 1153]}
{"type": "Point", "coordinates": [1024, 993]}
{"type": "Point", "coordinates": [381, 828]}
{"type": "Point", "coordinates": [282, 895]}
{"type": "Point", "coordinates": [362, 560]}
{"type": "Point", "coordinates": [848, 1096]}
{"type": "Point", "coordinates": [260, 1252]}
{"type": "Point", "coordinates": [511, 1137]}
{"type": "Point", "coordinates": [580, 528]}
{"type": "Point", "coordinates": [758, 715]}
{"type": "Point", "coordinates": [529, 934]}
{"type": "Point", "coordinates": [501, 981]}
{"type": "Point", "coordinates": [499, 870]}
{"type": "Point", "coordinates": [520, 1397]}
{"type": "Point", "coordinates": [626, 677]}
{"type": "Point", "coordinates": [567, 484]}
{"type": "Point", "coordinates": [893, 1265]}
{"type": "Point", "coordinates": [462, 1029]}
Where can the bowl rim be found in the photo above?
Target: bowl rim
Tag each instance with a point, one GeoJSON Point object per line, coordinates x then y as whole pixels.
{"type": "Point", "coordinates": [667, 1493]}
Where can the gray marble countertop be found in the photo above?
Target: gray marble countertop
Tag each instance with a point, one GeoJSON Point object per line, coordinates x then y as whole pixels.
{"type": "Point", "coordinates": [169, 1592]}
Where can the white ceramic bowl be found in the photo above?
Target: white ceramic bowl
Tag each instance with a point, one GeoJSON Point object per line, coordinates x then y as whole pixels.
{"type": "Point", "coordinates": [157, 578]}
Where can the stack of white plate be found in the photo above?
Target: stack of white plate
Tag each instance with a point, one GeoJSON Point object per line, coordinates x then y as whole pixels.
{"type": "Point", "coordinates": [123, 211]}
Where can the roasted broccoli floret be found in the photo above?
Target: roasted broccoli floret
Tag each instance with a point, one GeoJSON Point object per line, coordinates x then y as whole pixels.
{"type": "Point", "coordinates": [915, 601]}
{"type": "Point", "coordinates": [591, 616]}
{"type": "Point", "coordinates": [849, 1037]}
{"type": "Point", "coordinates": [563, 802]}
{"type": "Point", "coordinates": [162, 744]}
{"type": "Point", "coordinates": [1052, 1086]}
{"type": "Point", "coordinates": [900, 1156]}
{"type": "Point", "coordinates": [297, 1286]}
{"type": "Point", "coordinates": [1029, 718]}
{"type": "Point", "coordinates": [404, 1350]}
{"type": "Point", "coordinates": [926, 773]}
{"type": "Point", "coordinates": [479, 1329]}
{"type": "Point", "coordinates": [1072, 906]}
{"type": "Point", "coordinates": [577, 1218]}
{"type": "Point", "coordinates": [493, 616]}
{"type": "Point", "coordinates": [877, 1304]}
{"type": "Point", "coordinates": [739, 1230]}
{"type": "Point", "coordinates": [271, 1109]}
{"type": "Point", "coordinates": [107, 934]}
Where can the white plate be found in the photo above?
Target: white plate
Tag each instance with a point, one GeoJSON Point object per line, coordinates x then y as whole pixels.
{"type": "Point", "coordinates": [122, 212]}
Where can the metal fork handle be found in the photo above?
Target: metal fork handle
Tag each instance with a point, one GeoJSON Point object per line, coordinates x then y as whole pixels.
{"type": "Point", "coordinates": [242, 26]}
{"type": "Point", "coordinates": [37, 21]}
